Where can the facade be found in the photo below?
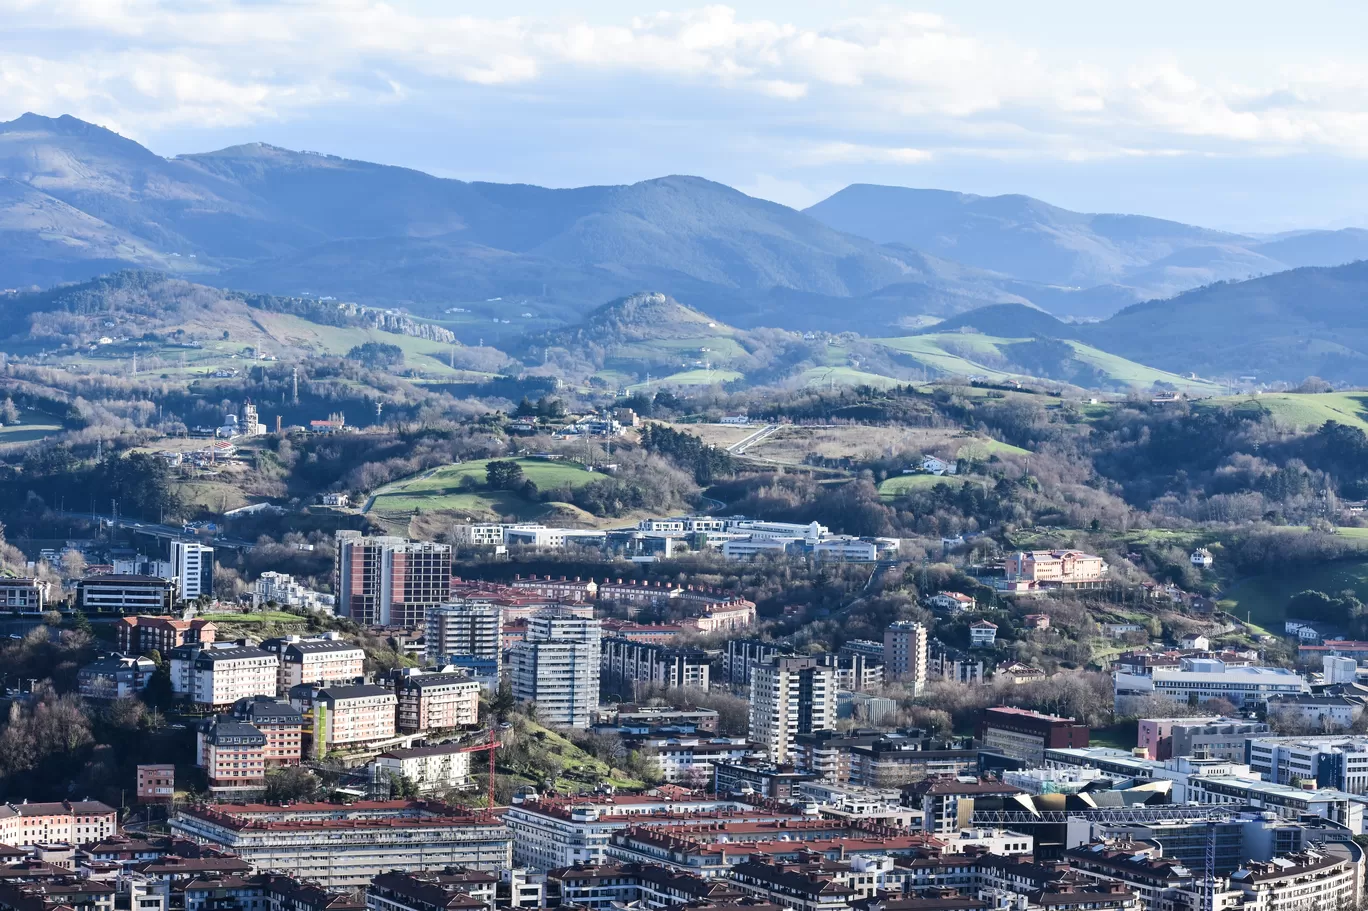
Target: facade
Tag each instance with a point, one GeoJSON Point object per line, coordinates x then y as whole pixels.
{"type": "Point", "coordinates": [280, 722]}
{"type": "Point", "coordinates": [434, 769]}
{"type": "Point", "coordinates": [24, 595]}
{"type": "Point", "coordinates": [437, 702]}
{"type": "Point", "coordinates": [790, 696]}
{"type": "Point", "coordinates": [115, 677]}
{"type": "Point", "coordinates": [951, 601]}
{"type": "Point", "coordinates": [232, 753]}
{"type": "Point", "coordinates": [124, 594]}
{"type": "Point", "coordinates": [155, 783]}
{"type": "Point", "coordinates": [1197, 680]}
{"type": "Point", "coordinates": [140, 635]}
{"type": "Point", "coordinates": [216, 676]}
{"type": "Point", "coordinates": [463, 629]}
{"type": "Point", "coordinates": [319, 661]}
{"type": "Point", "coordinates": [352, 717]}
{"type": "Point", "coordinates": [626, 664]}
{"type": "Point", "coordinates": [1214, 736]}
{"type": "Point", "coordinates": [1329, 762]}
{"type": "Point", "coordinates": [906, 654]}
{"type": "Point", "coordinates": [690, 760]}
{"type": "Point", "coordinates": [362, 839]}
{"type": "Point", "coordinates": [982, 634]}
{"type": "Point", "coordinates": [389, 581]}
{"type": "Point", "coordinates": [557, 667]}
{"type": "Point", "coordinates": [1026, 735]}
{"type": "Point", "coordinates": [68, 822]}
{"type": "Point", "coordinates": [1060, 568]}
{"type": "Point", "coordinates": [743, 656]}
{"type": "Point", "coordinates": [192, 564]}
{"type": "Point", "coordinates": [1327, 712]}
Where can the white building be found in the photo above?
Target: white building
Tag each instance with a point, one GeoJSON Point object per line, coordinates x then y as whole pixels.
{"type": "Point", "coordinates": [284, 590]}
{"type": "Point", "coordinates": [982, 634]}
{"type": "Point", "coordinates": [218, 675]}
{"type": "Point", "coordinates": [326, 659]}
{"type": "Point", "coordinates": [1335, 761]}
{"type": "Point", "coordinates": [689, 760]}
{"type": "Point", "coordinates": [543, 538]}
{"type": "Point", "coordinates": [1339, 670]}
{"type": "Point", "coordinates": [1198, 680]}
{"type": "Point", "coordinates": [67, 822]}
{"type": "Point", "coordinates": [1201, 558]}
{"type": "Point", "coordinates": [847, 548]}
{"type": "Point", "coordinates": [906, 654]}
{"type": "Point", "coordinates": [558, 668]}
{"type": "Point", "coordinates": [790, 696]}
{"type": "Point", "coordinates": [193, 566]}
{"type": "Point", "coordinates": [951, 601]}
{"type": "Point", "coordinates": [434, 769]}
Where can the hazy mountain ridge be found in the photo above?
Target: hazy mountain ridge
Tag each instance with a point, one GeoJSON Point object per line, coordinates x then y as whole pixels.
{"type": "Point", "coordinates": [1106, 258]}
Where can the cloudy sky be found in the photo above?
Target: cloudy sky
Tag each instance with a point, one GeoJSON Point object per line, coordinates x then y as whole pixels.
{"type": "Point", "coordinates": [1249, 115]}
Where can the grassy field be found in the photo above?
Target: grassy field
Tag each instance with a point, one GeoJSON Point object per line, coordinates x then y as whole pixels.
{"type": "Point", "coordinates": [844, 376]}
{"type": "Point", "coordinates": [967, 354]}
{"type": "Point", "coordinates": [15, 434]}
{"type": "Point", "coordinates": [439, 490]}
{"type": "Point", "coordinates": [266, 616]}
{"type": "Point", "coordinates": [1304, 411]}
{"type": "Point", "coordinates": [1263, 599]}
{"type": "Point", "coordinates": [901, 484]}
{"type": "Point", "coordinates": [696, 377]}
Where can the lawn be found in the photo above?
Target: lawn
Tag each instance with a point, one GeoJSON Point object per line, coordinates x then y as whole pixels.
{"type": "Point", "coordinates": [845, 376]}
{"type": "Point", "coordinates": [15, 434]}
{"type": "Point", "coordinates": [439, 489]}
{"type": "Point", "coordinates": [901, 484]}
{"type": "Point", "coordinates": [1303, 411]}
{"type": "Point", "coordinates": [698, 377]}
{"type": "Point", "coordinates": [1263, 599]}
{"type": "Point", "coordinates": [266, 616]}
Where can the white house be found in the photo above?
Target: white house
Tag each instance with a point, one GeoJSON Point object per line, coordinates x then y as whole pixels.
{"type": "Point", "coordinates": [735, 419]}
{"type": "Point", "coordinates": [952, 601]}
{"type": "Point", "coordinates": [933, 465]}
{"type": "Point", "coordinates": [1195, 641]}
{"type": "Point", "coordinates": [1201, 557]}
{"type": "Point", "coordinates": [982, 634]}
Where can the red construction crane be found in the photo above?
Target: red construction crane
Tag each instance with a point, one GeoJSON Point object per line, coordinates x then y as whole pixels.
{"type": "Point", "coordinates": [491, 745]}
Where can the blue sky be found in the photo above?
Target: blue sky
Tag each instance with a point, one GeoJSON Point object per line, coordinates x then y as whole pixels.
{"type": "Point", "coordinates": [1250, 116]}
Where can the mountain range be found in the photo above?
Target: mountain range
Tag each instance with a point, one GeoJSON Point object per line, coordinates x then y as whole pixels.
{"type": "Point", "coordinates": [77, 199]}
{"type": "Point", "coordinates": [511, 261]}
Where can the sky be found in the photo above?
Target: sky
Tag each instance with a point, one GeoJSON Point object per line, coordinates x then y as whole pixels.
{"type": "Point", "coordinates": [1248, 116]}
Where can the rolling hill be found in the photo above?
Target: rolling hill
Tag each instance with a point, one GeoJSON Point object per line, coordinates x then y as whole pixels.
{"type": "Point", "coordinates": [1309, 321]}
{"type": "Point", "coordinates": [1096, 262]}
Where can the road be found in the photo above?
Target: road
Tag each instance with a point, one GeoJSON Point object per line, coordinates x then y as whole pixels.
{"type": "Point", "coordinates": [153, 528]}
{"type": "Point", "coordinates": [740, 447]}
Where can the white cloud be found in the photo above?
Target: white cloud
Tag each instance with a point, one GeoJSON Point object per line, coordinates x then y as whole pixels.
{"type": "Point", "coordinates": [888, 88]}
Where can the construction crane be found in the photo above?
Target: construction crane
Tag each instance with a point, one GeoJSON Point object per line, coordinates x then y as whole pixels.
{"type": "Point", "coordinates": [490, 745]}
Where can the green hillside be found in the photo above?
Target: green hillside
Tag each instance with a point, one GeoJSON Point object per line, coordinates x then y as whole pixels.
{"type": "Point", "coordinates": [1303, 411]}
{"type": "Point", "coordinates": [440, 490]}
{"type": "Point", "coordinates": [995, 358]}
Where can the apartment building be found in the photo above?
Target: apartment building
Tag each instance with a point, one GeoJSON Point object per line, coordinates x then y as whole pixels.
{"type": "Point", "coordinates": [24, 595]}
{"type": "Point", "coordinates": [390, 581]}
{"type": "Point", "coordinates": [448, 889]}
{"type": "Point", "coordinates": [690, 760]}
{"type": "Point", "coordinates": [436, 701]}
{"type": "Point", "coordinates": [883, 759]}
{"type": "Point", "coordinates": [352, 717]}
{"type": "Point", "coordinates": [67, 822]}
{"type": "Point", "coordinates": [790, 696]}
{"type": "Point", "coordinates": [905, 654]}
{"type": "Point", "coordinates": [627, 665]}
{"type": "Point", "coordinates": [1058, 568]}
{"type": "Point", "coordinates": [743, 656]}
{"type": "Point", "coordinates": [125, 594]}
{"type": "Point", "coordinates": [231, 752]}
{"type": "Point", "coordinates": [319, 661]}
{"type": "Point", "coordinates": [140, 635]}
{"type": "Point", "coordinates": [192, 565]}
{"type": "Point", "coordinates": [562, 589]}
{"type": "Point", "coordinates": [600, 887]}
{"type": "Point", "coordinates": [724, 616]}
{"type": "Point", "coordinates": [464, 629]}
{"type": "Point", "coordinates": [280, 722]}
{"type": "Point", "coordinates": [1026, 735]}
{"type": "Point", "coordinates": [433, 769]}
{"type": "Point", "coordinates": [557, 667]}
{"type": "Point", "coordinates": [346, 846]}
{"type": "Point", "coordinates": [214, 677]}
{"type": "Point", "coordinates": [855, 672]}
{"type": "Point", "coordinates": [114, 677]}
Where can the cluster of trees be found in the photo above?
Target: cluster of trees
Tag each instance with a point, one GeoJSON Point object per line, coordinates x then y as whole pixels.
{"type": "Point", "coordinates": [706, 463]}
{"type": "Point", "coordinates": [378, 355]}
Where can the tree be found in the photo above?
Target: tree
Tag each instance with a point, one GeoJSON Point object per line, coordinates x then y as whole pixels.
{"type": "Point", "coordinates": [292, 783]}
{"type": "Point", "coordinates": [8, 413]}
{"type": "Point", "coordinates": [377, 354]}
{"type": "Point", "coordinates": [402, 787]}
{"type": "Point", "coordinates": [503, 475]}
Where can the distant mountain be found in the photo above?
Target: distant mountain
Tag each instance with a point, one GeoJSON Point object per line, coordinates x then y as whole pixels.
{"type": "Point", "coordinates": [77, 199]}
{"type": "Point", "coordinates": [1104, 260]}
{"type": "Point", "coordinates": [1309, 321]}
{"type": "Point", "coordinates": [1007, 321]}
